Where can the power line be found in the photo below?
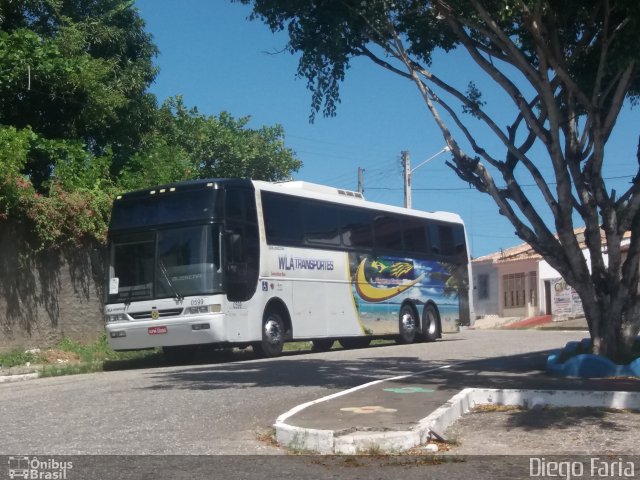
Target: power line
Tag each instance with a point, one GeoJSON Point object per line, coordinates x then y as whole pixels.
{"type": "Point", "coordinates": [456, 189]}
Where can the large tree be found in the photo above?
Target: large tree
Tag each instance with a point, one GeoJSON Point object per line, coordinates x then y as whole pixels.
{"type": "Point", "coordinates": [565, 70]}
{"type": "Point", "coordinates": [186, 144]}
{"type": "Point", "coordinates": [75, 71]}
{"type": "Point", "coordinates": [78, 124]}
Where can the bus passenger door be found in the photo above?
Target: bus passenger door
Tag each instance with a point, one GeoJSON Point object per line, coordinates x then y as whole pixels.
{"type": "Point", "coordinates": [242, 257]}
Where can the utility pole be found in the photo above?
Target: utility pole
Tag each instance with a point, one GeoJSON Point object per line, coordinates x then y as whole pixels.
{"type": "Point", "coordinates": [406, 164]}
{"type": "Point", "coordinates": [360, 180]}
{"type": "Point", "coordinates": [408, 171]}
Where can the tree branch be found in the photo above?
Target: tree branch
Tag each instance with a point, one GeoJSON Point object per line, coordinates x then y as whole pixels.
{"type": "Point", "coordinates": [369, 54]}
{"type": "Point", "coordinates": [506, 84]}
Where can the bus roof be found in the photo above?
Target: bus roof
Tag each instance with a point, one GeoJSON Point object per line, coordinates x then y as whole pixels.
{"type": "Point", "coordinates": [189, 185]}
{"type": "Point", "coordinates": [335, 195]}
{"type": "Point", "coordinates": [295, 188]}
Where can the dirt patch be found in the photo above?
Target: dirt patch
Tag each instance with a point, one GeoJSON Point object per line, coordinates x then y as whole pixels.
{"type": "Point", "coordinates": [550, 431]}
{"type": "Point", "coordinates": [54, 356]}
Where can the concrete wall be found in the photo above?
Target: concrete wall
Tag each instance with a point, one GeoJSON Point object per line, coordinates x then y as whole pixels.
{"type": "Point", "coordinates": [486, 306]}
{"type": "Point", "coordinates": [47, 296]}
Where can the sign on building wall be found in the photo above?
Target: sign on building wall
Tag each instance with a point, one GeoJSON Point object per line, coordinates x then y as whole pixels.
{"type": "Point", "coordinates": [565, 302]}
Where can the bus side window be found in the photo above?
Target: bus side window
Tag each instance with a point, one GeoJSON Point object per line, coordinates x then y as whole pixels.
{"type": "Point", "coordinates": [356, 228]}
{"type": "Point", "coordinates": [387, 233]}
{"type": "Point", "coordinates": [416, 236]}
{"type": "Point", "coordinates": [445, 239]}
{"type": "Point", "coordinates": [321, 227]}
{"type": "Point", "coordinates": [460, 244]}
{"type": "Point", "coordinates": [282, 219]}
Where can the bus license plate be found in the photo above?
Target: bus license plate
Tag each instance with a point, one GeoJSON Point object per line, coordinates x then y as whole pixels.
{"type": "Point", "coordinates": [157, 330]}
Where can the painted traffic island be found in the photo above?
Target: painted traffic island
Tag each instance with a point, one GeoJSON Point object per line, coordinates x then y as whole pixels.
{"type": "Point", "coordinates": [576, 360]}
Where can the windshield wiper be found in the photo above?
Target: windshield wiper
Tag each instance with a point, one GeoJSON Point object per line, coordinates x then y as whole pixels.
{"type": "Point", "coordinates": [163, 270]}
{"type": "Point", "coordinates": [127, 301]}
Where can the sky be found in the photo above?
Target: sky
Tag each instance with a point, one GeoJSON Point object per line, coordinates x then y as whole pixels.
{"type": "Point", "coordinates": [219, 60]}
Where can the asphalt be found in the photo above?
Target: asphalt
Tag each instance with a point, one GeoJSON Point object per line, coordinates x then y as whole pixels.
{"type": "Point", "coordinates": [415, 412]}
{"type": "Point", "coordinates": [410, 412]}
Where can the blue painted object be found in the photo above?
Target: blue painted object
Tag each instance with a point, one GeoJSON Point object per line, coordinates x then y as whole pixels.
{"type": "Point", "coordinates": [587, 365]}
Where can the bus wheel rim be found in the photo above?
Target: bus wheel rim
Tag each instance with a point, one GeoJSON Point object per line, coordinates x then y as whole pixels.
{"type": "Point", "coordinates": [408, 323]}
{"type": "Point", "coordinates": [272, 332]}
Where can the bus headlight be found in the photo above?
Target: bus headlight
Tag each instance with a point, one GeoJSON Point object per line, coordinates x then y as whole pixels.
{"type": "Point", "coordinates": [202, 309]}
{"type": "Point", "coordinates": [117, 317]}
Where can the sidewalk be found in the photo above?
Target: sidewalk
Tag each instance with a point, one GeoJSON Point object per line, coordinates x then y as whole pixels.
{"type": "Point", "coordinates": [398, 414]}
{"type": "Point", "coordinates": [542, 322]}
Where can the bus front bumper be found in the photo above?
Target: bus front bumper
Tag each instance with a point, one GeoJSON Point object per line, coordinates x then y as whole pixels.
{"type": "Point", "coordinates": [191, 330]}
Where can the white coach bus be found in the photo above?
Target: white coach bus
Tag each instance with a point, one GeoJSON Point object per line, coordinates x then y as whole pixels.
{"type": "Point", "coordinates": [231, 262]}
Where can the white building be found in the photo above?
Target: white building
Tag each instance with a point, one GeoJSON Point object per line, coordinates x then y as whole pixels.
{"type": "Point", "coordinates": [517, 282]}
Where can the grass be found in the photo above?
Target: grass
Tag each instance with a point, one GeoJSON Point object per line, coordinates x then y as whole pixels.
{"type": "Point", "coordinates": [297, 346]}
{"type": "Point", "coordinates": [99, 351]}
{"type": "Point", "coordinates": [307, 346]}
{"type": "Point", "coordinates": [70, 369]}
{"type": "Point", "coordinates": [16, 358]}
{"type": "Point", "coordinates": [497, 408]}
{"type": "Point", "coordinates": [70, 357]}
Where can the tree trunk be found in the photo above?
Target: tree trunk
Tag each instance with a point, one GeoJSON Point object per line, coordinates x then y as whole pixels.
{"type": "Point", "coordinates": [612, 310]}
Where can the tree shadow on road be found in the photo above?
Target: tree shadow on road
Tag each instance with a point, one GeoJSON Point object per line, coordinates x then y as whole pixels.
{"type": "Point", "coordinates": [563, 419]}
{"type": "Point", "coordinates": [332, 372]}
{"type": "Point", "coordinates": [522, 371]}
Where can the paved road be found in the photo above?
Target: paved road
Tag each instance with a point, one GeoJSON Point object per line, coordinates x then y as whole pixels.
{"type": "Point", "coordinates": [217, 408]}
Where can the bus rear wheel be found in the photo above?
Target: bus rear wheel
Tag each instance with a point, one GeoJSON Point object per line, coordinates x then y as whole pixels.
{"type": "Point", "coordinates": [322, 344]}
{"type": "Point", "coordinates": [272, 335]}
{"type": "Point", "coordinates": [408, 324]}
{"type": "Point", "coordinates": [355, 342]}
{"type": "Point", "coordinates": [430, 324]}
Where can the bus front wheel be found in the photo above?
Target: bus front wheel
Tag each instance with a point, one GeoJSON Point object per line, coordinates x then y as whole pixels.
{"type": "Point", "coordinates": [272, 335]}
{"type": "Point", "coordinates": [430, 323]}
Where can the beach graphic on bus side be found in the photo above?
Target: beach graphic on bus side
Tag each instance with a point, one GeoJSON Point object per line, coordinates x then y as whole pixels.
{"type": "Point", "coordinates": [380, 285]}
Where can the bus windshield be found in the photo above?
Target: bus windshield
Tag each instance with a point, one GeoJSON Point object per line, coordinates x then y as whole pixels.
{"type": "Point", "coordinates": [174, 262]}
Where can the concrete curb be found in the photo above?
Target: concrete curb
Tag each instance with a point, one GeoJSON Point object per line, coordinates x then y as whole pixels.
{"type": "Point", "coordinates": [18, 378]}
{"type": "Point", "coordinates": [350, 443]}
{"type": "Point", "coordinates": [324, 441]}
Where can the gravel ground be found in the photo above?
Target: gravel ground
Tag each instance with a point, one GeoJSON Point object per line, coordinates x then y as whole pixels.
{"type": "Point", "coordinates": [551, 431]}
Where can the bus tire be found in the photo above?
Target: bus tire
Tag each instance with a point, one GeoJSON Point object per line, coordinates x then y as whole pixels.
{"type": "Point", "coordinates": [355, 342]}
{"type": "Point", "coordinates": [430, 323]}
{"type": "Point", "coordinates": [273, 333]}
{"type": "Point", "coordinates": [408, 324]}
{"type": "Point", "coordinates": [322, 344]}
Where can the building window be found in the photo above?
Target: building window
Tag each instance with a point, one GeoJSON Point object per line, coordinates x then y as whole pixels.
{"type": "Point", "coordinates": [514, 290]}
{"type": "Point", "coordinates": [483, 286]}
